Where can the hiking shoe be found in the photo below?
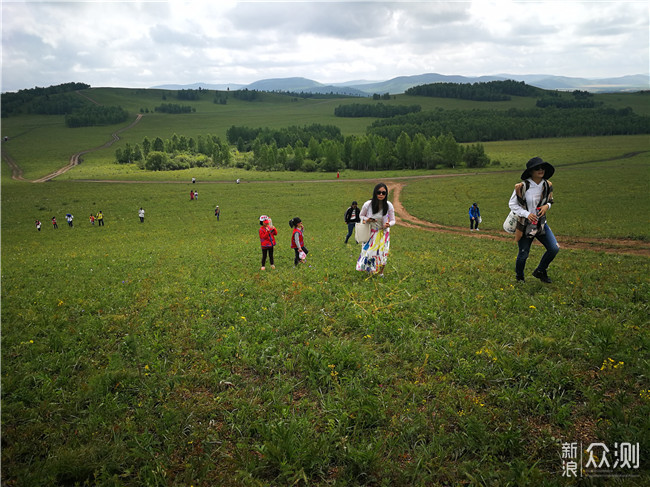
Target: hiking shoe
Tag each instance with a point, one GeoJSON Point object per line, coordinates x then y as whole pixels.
{"type": "Point", "coordinates": [542, 276]}
{"type": "Point", "coordinates": [521, 279]}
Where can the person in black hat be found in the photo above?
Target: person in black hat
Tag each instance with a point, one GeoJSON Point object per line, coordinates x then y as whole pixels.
{"type": "Point", "coordinates": [474, 217]}
{"type": "Point", "coordinates": [351, 218]}
{"type": "Point", "coordinates": [530, 201]}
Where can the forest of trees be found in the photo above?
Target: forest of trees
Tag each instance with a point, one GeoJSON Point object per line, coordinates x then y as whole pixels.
{"type": "Point", "coordinates": [514, 124]}
{"type": "Point", "coordinates": [53, 100]}
{"type": "Point", "coordinates": [174, 108]}
{"type": "Point", "coordinates": [485, 91]}
{"type": "Point", "coordinates": [330, 152]}
{"type": "Point", "coordinates": [377, 110]}
{"type": "Point", "coordinates": [93, 115]}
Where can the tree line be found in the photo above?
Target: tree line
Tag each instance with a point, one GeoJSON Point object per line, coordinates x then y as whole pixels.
{"type": "Point", "coordinates": [377, 110]}
{"type": "Point", "coordinates": [481, 91]}
{"type": "Point", "coordinates": [174, 108]}
{"type": "Point", "coordinates": [96, 115]}
{"type": "Point", "coordinates": [53, 100]}
{"type": "Point", "coordinates": [329, 152]}
{"type": "Point", "coordinates": [514, 124]}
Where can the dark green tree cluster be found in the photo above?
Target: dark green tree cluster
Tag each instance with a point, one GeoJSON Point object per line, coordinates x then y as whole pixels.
{"type": "Point", "coordinates": [482, 91]}
{"type": "Point", "coordinates": [577, 99]}
{"type": "Point", "coordinates": [174, 109]}
{"type": "Point", "coordinates": [515, 124]}
{"type": "Point", "coordinates": [188, 95]}
{"type": "Point", "coordinates": [94, 115]}
{"type": "Point", "coordinates": [180, 152]}
{"type": "Point", "coordinates": [45, 101]}
{"type": "Point", "coordinates": [377, 110]}
{"type": "Point", "coordinates": [244, 137]}
{"type": "Point", "coordinates": [246, 94]}
{"type": "Point", "coordinates": [367, 153]}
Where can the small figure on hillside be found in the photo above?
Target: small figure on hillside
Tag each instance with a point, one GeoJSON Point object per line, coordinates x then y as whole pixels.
{"type": "Point", "coordinates": [238, 180]}
{"type": "Point", "coordinates": [54, 224]}
{"type": "Point", "coordinates": [191, 195]}
{"type": "Point", "coordinates": [267, 240]}
{"type": "Point", "coordinates": [530, 201]}
{"type": "Point", "coordinates": [351, 218]}
{"type": "Point", "coordinates": [69, 218]}
{"type": "Point", "coordinates": [297, 241]}
{"type": "Point", "coordinates": [217, 212]}
{"type": "Point", "coordinates": [196, 195]}
{"type": "Point", "coordinates": [474, 217]}
{"type": "Point", "coordinates": [100, 218]}
{"type": "Point", "coordinates": [141, 214]}
{"type": "Point", "coordinates": [91, 218]}
{"type": "Point", "coordinates": [380, 214]}
{"type": "Point", "coordinates": [38, 225]}
{"type": "Point", "coordinates": [193, 180]}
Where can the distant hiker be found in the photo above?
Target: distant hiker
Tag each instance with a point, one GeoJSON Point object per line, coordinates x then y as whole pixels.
{"type": "Point", "coordinates": [54, 224]}
{"type": "Point", "coordinates": [92, 219]}
{"type": "Point", "coordinates": [196, 195]}
{"type": "Point", "coordinates": [530, 201]}
{"type": "Point", "coordinates": [141, 215]}
{"type": "Point", "coordinates": [474, 217]}
{"type": "Point", "coordinates": [191, 195]}
{"type": "Point", "coordinates": [337, 175]}
{"type": "Point", "coordinates": [193, 180]}
{"type": "Point", "coordinates": [380, 214]}
{"type": "Point", "coordinates": [267, 240]}
{"type": "Point", "coordinates": [100, 218]}
{"type": "Point", "coordinates": [297, 241]}
{"type": "Point", "coordinates": [38, 225]}
{"type": "Point", "coordinates": [351, 218]}
{"type": "Point", "coordinates": [217, 212]}
{"type": "Point", "coordinates": [237, 180]}
{"type": "Point", "coordinates": [69, 217]}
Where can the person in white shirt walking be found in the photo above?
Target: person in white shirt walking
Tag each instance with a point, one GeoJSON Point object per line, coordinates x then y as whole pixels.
{"type": "Point", "coordinates": [141, 214]}
{"type": "Point", "coordinates": [530, 201]}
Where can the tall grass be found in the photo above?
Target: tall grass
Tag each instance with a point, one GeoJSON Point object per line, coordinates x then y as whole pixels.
{"type": "Point", "coordinates": [159, 353]}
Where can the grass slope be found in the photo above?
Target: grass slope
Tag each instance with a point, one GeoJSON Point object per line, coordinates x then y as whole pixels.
{"type": "Point", "coordinates": [159, 353]}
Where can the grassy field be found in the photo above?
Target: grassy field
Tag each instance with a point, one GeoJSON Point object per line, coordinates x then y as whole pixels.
{"type": "Point", "coordinates": [159, 354]}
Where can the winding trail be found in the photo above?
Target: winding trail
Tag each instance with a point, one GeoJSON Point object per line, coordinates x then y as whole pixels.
{"type": "Point", "coordinates": [396, 184]}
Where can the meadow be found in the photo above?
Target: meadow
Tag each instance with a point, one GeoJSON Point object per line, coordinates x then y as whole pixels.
{"type": "Point", "coordinates": [159, 353]}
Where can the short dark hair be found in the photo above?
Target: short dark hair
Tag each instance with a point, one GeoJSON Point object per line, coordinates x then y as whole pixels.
{"type": "Point", "coordinates": [294, 222]}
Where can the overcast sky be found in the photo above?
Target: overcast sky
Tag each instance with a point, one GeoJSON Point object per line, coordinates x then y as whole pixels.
{"type": "Point", "coordinates": [148, 43]}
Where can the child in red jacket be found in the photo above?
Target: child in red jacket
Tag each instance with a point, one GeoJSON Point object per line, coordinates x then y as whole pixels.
{"type": "Point", "coordinates": [267, 239]}
{"type": "Point", "coordinates": [297, 241]}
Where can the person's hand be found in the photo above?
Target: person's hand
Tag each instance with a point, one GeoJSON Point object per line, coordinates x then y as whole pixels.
{"type": "Point", "coordinates": [386, 225]}
{"type": "Point", "coordinates": [542, 210]}
{"type": "Point", "coordinates": [532, 218]}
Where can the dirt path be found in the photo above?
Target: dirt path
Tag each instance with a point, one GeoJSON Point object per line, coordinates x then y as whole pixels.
{"type": "Point", "coordinates": [609, 245]}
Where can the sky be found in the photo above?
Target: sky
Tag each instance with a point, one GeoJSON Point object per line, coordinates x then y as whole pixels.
{"type": "Point", "coordinates": [140, 44]}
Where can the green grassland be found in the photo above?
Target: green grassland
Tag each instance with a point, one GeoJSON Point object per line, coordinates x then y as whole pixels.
{"type": "Point", "coordinates": [42, 144]}
{"type": "Point", "coordinates": [159, 353]}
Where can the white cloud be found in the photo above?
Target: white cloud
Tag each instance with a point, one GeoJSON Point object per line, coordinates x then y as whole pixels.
{"type": "Point", "coordinates": [141, 44]}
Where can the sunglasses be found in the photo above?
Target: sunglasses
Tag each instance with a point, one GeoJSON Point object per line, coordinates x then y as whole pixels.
{"type": "Point", "coordinates": [381, 192]}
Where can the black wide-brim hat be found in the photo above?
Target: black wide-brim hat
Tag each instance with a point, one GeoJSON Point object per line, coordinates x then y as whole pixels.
{"type": "Point", "coordinates": [535, 162]}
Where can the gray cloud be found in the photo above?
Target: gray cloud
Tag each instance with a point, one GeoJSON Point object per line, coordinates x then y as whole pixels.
{"type": "Point", "coordinates": [141, 44]}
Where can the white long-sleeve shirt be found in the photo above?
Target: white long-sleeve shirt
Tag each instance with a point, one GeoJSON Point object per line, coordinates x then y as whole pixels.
{"type": "Point", "coordinates": [533, 197]}
{"type": "Point", "coordinates": [366, 213]}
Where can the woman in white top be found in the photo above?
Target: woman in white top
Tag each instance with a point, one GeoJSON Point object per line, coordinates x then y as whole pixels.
{"type": "Point", "coordinates": [380, 215]}
{"type": "Point", "coordinates": [530, 201]}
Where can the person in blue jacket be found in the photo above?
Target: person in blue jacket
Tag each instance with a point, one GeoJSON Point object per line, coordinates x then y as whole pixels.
{"type": "Point", "coordinates": [474, 217]}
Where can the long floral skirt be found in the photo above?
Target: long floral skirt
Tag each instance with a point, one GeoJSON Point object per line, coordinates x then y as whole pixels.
{"type": "Point", "coordinates": [374, 252]}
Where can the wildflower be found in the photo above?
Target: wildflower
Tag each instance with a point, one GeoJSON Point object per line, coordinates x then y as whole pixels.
{"type": "Point", "coordinates": [532, 307]}
{"type": "Point", "coordinates": [244, 318]}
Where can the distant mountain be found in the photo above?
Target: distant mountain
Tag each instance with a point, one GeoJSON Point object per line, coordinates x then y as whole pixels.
{"type": "Point", "coordinates": [400, 84]}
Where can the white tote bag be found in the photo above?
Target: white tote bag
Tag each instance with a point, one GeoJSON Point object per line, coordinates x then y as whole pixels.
{"type": "Point", "coordinates": [361, 232]}
{"type": "Point", "coordinates": [510, 225]}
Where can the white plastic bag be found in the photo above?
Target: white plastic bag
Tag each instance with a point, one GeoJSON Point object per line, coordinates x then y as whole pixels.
{"type": "Point", "coordinates": [510, 224]}
{"type": "Point", "coordinates": [361, 232]}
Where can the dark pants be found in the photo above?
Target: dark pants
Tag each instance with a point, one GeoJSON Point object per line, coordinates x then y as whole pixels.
{"type": "Point", "coordinates": [267, 251]}
{"type": "Point", "coordinates": [100, 222]}
{"type": "Point", "coordinates": [350, 230]}
{"type": "Point", "coordinates": [473, 223]}
{"type": "Point", "coordinates": [547, 240]}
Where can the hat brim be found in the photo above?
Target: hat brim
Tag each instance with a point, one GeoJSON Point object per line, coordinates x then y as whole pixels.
{"type": "Point", "coordinates": [549, 170]}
